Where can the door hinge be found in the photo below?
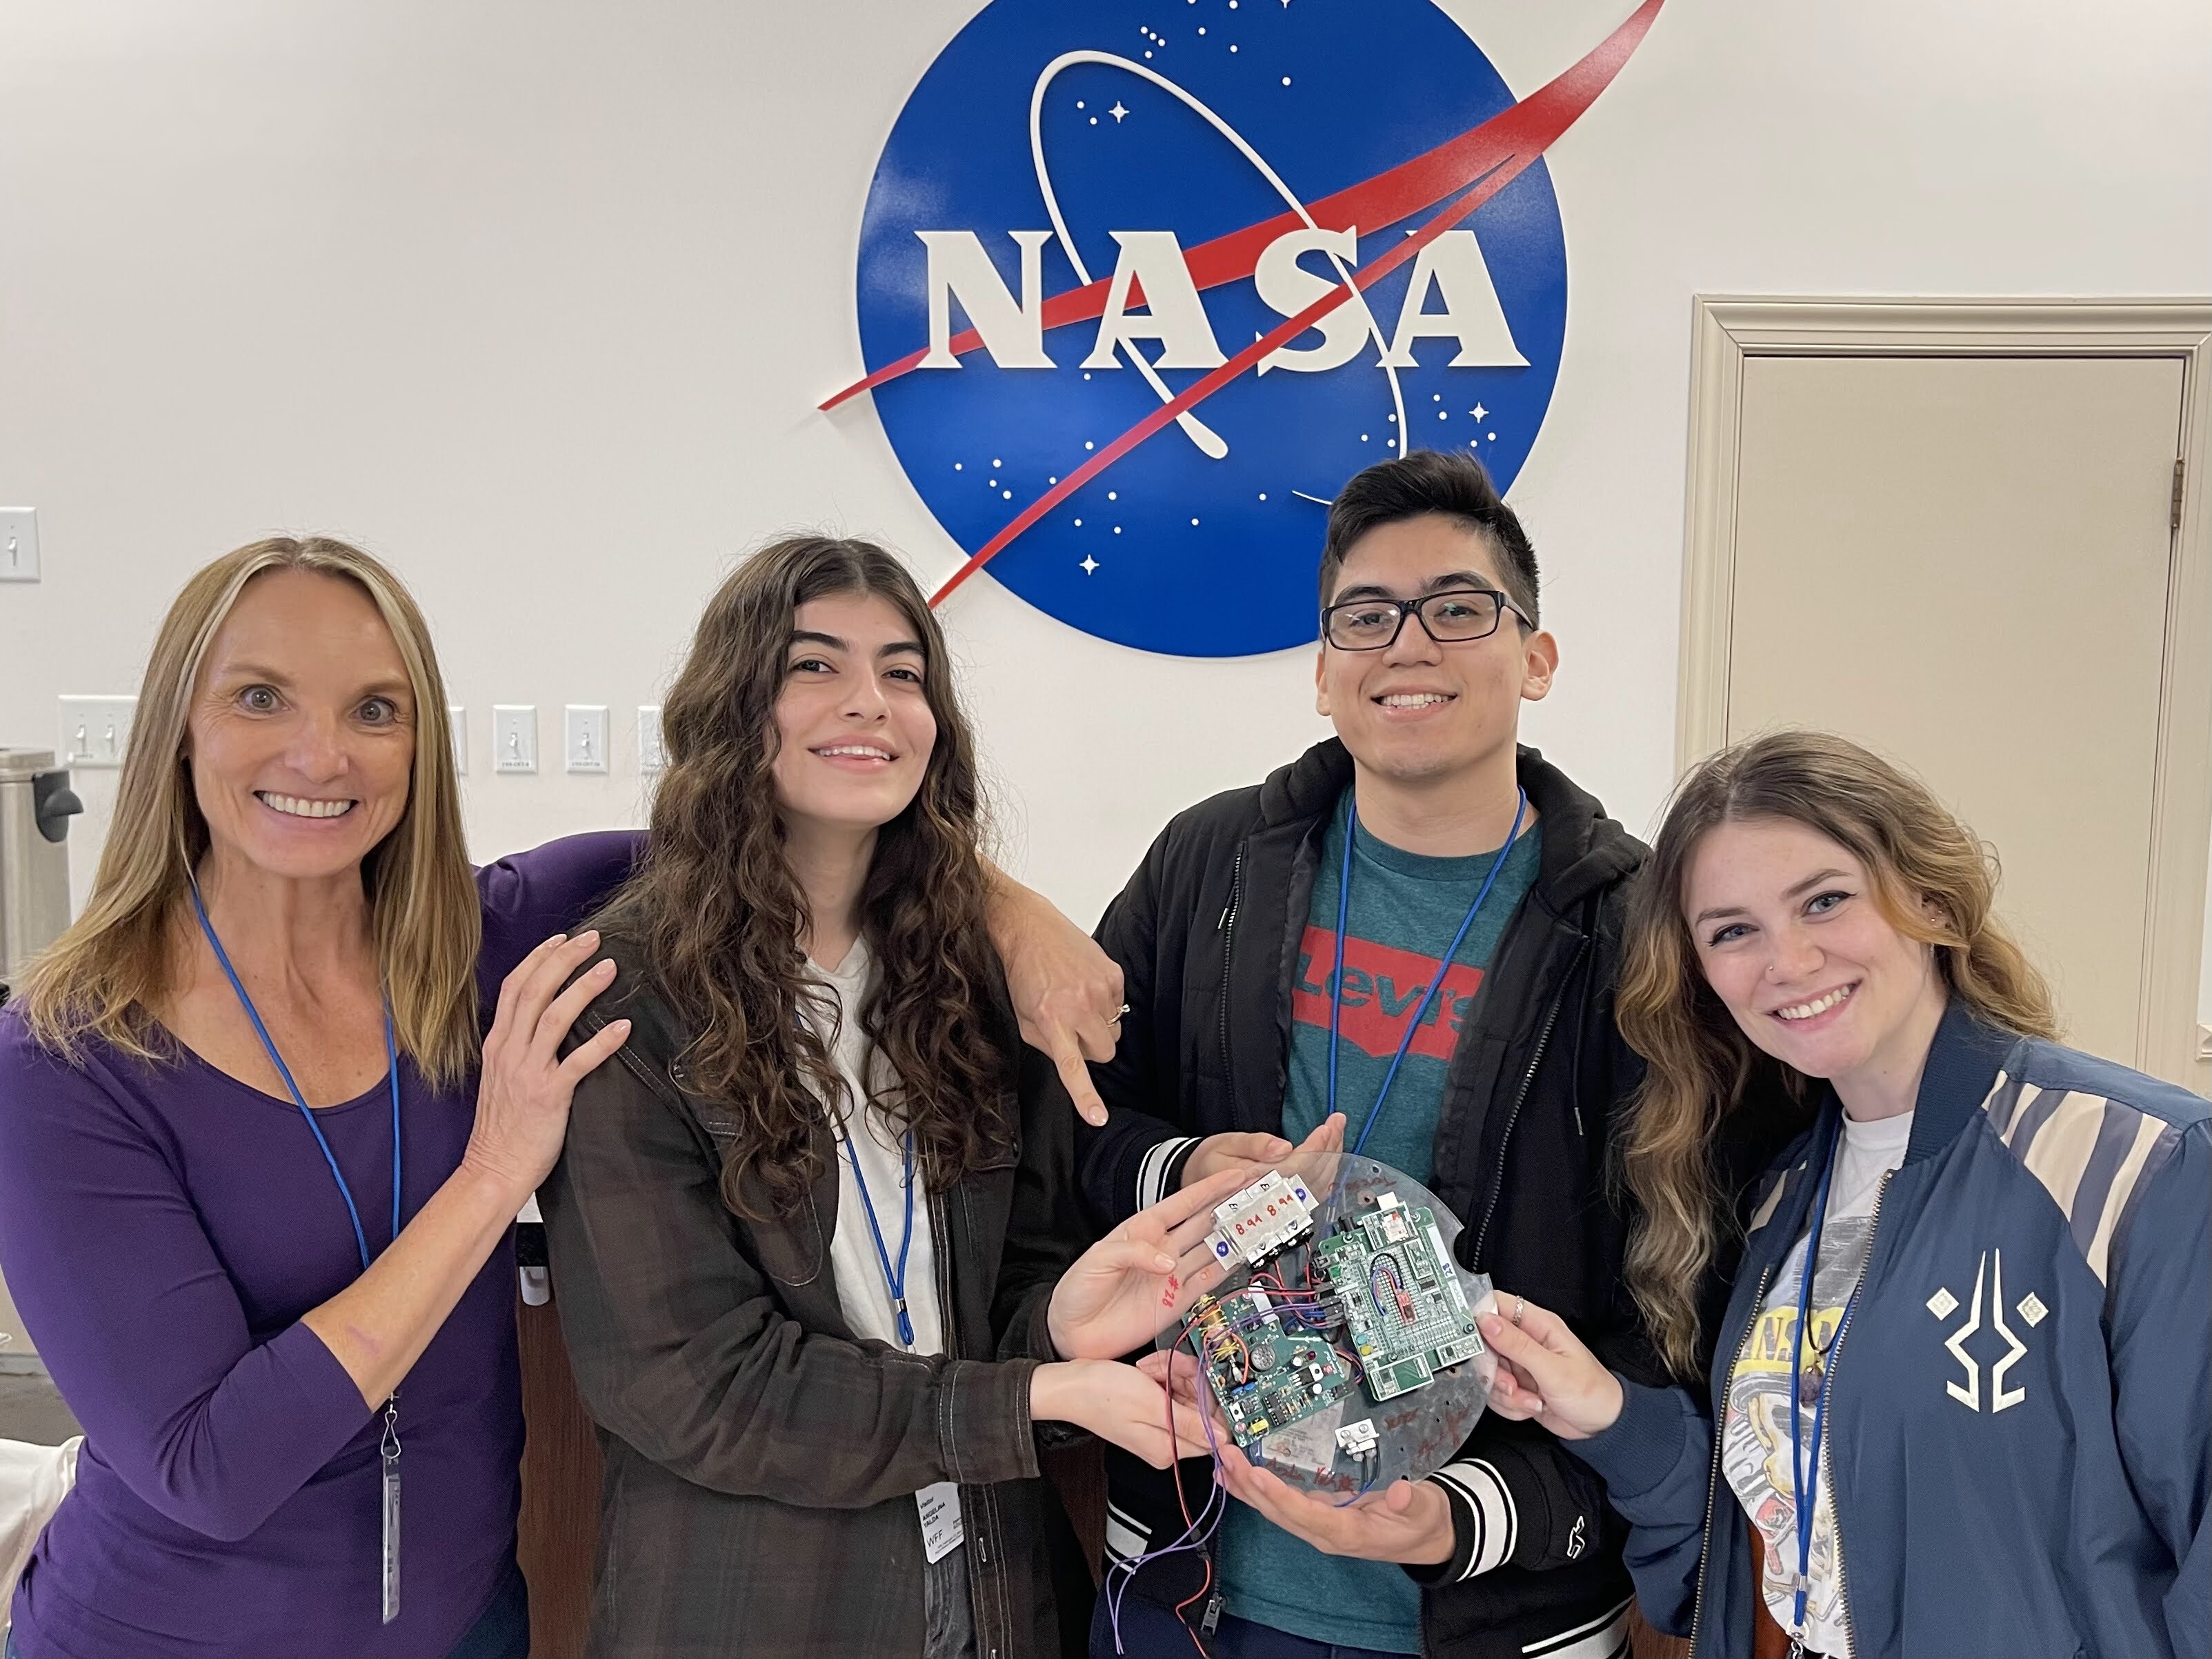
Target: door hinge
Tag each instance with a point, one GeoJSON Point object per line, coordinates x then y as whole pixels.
{"type": "Point", "coordinates": [2173, 519]}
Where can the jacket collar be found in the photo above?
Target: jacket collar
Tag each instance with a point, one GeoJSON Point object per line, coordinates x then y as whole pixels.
{"type": "Point", "coordinates": [1962, 1067]}
{"type": "Point", "coordinates": [1963, 1061]}
{"type": "Point", "coordinates": [1584, 850]}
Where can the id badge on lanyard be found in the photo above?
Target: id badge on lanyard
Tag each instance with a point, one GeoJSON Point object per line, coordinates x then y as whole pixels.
{"type": "Point", "coordinates": [389, 1450]}
{"type": "Point", "coordinates": [388, 1575]}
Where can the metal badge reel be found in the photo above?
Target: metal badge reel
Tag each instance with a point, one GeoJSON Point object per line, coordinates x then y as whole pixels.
{"type": "Point", "coordinates": [1341, 1348]}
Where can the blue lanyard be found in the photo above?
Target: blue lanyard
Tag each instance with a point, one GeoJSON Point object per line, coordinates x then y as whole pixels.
{"type": "Point", "coordinates": [896, 1281]}
{"type": "Point", "coordinates": [1805, 1469]}
{"type": "Point", "coordinates": [391, 1058]}
{"type": "Point", "coordinates": [1336, 997]}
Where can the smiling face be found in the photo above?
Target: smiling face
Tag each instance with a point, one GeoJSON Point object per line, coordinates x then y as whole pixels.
{"type": "Point", "coordinates": [1791, 937]}
{"type": "Point", "coordinates": [1416, 712]}
{"type": "Point", "coordinates": [854, 722]}
{"type": "Point", "coordinates": [302, 733]}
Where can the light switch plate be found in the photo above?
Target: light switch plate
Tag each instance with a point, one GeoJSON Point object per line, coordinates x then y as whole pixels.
{"type": "Point", "coordinates": [19, 544]}
{"type": "Point", "coordinates": [584, 748]}
{"type": "Point", "coordinates": [514, 736]}
{"type": "Point", "coordinates": [95, 730]}
{"type": "Point", "coordinates": [649, 756]}
{"type": "Point", "coordinates": [457, 733]}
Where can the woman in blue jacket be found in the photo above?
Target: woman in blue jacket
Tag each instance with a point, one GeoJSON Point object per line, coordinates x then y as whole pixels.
{"type": "Point", "coordinates": [1960, 1387]}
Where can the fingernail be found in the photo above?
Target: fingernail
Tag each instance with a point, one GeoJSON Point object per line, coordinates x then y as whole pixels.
{"type": "Point", "coordinates": [589, 932]}
{"type": "Point", "coordinates": [1164, 1263]}
{"type": "Point", "coordinates": [605, 965]}
{"type": "Point", "coordinates": [622, 1025]}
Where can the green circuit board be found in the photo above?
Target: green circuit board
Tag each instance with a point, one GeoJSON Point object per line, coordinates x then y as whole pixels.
{"type": "Point", "coordinates": [1266, 1371]}
{"type": "Point", "coordinates": [1387, 1273]}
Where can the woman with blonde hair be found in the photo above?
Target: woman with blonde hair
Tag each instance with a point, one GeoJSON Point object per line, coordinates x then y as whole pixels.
{"type": "Point", "coordinates": [1959, 1386]}
{"type": "Point", "coordinates": [256, 1168]}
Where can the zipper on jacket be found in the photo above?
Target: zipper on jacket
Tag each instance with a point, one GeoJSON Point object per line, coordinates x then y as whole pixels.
{"type": "Point", "coordinates": [1713, 1485]}
{"type": "Point", "coordinates": [1227, 928]}
{"type": "Point", "coordinates": [1836, 1352]}
{"type": "Point", "coordinates": [1521, 1099]}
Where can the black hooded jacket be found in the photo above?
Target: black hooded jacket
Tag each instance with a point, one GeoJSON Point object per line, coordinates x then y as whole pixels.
{"type": "Point", "coordinates": [1208, 933]}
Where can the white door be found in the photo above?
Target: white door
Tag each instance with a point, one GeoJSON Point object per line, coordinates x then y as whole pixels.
{"type": "Point", "coordinates": [1964, 562]}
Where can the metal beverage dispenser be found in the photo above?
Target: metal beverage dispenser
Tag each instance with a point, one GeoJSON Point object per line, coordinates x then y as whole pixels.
{"type": "Point", "coordinates": [35, 808]}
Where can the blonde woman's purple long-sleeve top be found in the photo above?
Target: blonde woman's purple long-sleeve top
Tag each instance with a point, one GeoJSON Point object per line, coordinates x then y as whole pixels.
{"type": "Point", "coordinates": [163, 1227]}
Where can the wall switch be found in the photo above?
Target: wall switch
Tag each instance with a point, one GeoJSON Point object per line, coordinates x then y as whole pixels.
{"type": "Point", "coordinates": [514, 736]}
{"type": "Point", "coordinates": [649, 757]}
{"type": "Point", "coordinates": [457, 733]}
{"type": "Point", "coordinates": [19, 544]}
{"type": "Point", "coordinates": [95, 730]}
{"type": "Point", "coordinates": [585, 748]}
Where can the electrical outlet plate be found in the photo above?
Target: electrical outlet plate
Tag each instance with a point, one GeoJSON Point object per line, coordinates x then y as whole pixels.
{"type": "Point", "coordinates": [650, 757]}
{"type": "Point", "coordinates": [457, 733]}
{"type": "Point", "coordinates": [19, 544]}
{"type": "Point", "coordinates": [94, 730]}
{"type": "Point", "coordinates": [584, 746]}
{"type": "Point", "coordinates": [514, 736]}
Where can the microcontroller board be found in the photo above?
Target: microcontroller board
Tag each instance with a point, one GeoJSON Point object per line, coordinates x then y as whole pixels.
{"type": "Point", "coordinates": [1386, 1273]}
{"type": "Point", "coordinates": [1267, 1365]}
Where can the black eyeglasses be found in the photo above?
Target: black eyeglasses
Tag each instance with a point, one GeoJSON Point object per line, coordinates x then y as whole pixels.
{"type": "Point", "coordinates": [1450, 617]}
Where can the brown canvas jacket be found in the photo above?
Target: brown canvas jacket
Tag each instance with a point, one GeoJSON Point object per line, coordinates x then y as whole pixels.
{"type": "Point", "coordinates": [761, 1461]}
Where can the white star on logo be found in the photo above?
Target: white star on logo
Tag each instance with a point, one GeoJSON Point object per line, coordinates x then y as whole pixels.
{"type": "Point", "coordinates": [1477, 412]}
{"type": "Point", "coordinates": [1090, 564]}
{"type": "Point", "coordinates": [1117, 111]}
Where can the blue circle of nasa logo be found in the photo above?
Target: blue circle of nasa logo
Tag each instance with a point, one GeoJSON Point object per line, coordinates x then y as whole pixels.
{"type": "Point", "coordinates": [1142, 283]}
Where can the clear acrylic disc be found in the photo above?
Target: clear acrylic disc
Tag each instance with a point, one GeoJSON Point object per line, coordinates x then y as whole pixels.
{"type": "Point", "coordinates": [1341, 1346]}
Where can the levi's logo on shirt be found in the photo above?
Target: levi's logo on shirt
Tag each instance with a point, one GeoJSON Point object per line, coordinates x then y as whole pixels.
{"type": "Point", "coordinates": [1383, 987]}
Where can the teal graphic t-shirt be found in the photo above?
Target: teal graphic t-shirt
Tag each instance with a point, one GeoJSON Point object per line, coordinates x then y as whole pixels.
{"type": "Point", "coordinates": [1405, 908]}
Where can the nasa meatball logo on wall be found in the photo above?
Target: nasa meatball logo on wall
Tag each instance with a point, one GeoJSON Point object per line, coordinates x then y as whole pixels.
{"type": "Point", "coordinates": [1142, 283]}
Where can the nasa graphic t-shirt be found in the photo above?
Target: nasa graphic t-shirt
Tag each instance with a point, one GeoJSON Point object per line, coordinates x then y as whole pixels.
{"type": "Point", "coordinates": [1405, 908]}
{"type": "Point", "coordinates": [1756, 1437]}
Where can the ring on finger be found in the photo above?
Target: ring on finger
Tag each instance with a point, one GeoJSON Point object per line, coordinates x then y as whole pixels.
{"type": "Point", "coordinates": [1520, 1307]}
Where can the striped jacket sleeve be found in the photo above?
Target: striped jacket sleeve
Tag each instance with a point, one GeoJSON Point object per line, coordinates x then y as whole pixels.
{"type": "Point", "coordinates": [2162, 1371]}
{"type": "Point", "coordinates": [1517, 1496]}
{"type": "Point", "coordinates": [2133, 1184]}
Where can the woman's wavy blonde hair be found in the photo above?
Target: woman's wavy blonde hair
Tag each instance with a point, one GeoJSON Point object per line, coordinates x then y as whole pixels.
{"type": "Point", "coordinates": [1935, 881]}
{"type": "Point", "coordinates": [108, 972]}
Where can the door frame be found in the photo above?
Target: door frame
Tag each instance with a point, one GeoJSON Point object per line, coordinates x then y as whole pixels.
{"type": "Point", "coordinates": [1726, 329]}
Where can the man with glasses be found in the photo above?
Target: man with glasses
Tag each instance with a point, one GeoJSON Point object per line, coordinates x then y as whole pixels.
{"type": "Point", "coordinates": [1417, 925]}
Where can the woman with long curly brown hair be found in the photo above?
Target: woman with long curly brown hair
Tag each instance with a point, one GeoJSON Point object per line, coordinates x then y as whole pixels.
{"type": "Point", "coordinates": [2013, 1238]}
{"type": "Point", "coordinates": [816, 1247]}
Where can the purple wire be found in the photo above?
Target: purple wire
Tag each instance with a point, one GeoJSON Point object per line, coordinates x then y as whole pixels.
{"type": "Point", "coordinates": [1195, 1536]}
{"type": "Point", "coordinates": [1202, 1528]}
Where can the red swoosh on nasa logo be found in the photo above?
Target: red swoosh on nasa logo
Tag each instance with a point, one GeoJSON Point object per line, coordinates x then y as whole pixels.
{"type": "Point", "coordinates": [1378, 202]}
{"type": "Point", "coordinates": [1510, 141]}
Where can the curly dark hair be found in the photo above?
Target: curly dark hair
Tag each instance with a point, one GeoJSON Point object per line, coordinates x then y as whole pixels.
{"type": "Point", "coordinates": [718, 912]}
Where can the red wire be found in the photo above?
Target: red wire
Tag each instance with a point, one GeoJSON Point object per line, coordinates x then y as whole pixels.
{"type": "Point", "coordinates": [1175, 1474]}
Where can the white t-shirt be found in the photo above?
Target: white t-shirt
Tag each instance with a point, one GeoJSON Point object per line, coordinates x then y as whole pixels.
{"type": "Point", "coordinates": [1756, 1441]}
{"type": "Point", "coordinates": [863, 1293]}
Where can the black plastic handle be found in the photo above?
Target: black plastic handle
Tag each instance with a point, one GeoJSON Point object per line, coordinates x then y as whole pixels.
{"type": "Point", "coordinates": [53, 804]}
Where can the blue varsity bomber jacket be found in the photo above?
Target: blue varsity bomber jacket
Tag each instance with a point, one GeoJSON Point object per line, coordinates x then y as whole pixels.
{"type": "Point", "coordinates": [2019, 1438]}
